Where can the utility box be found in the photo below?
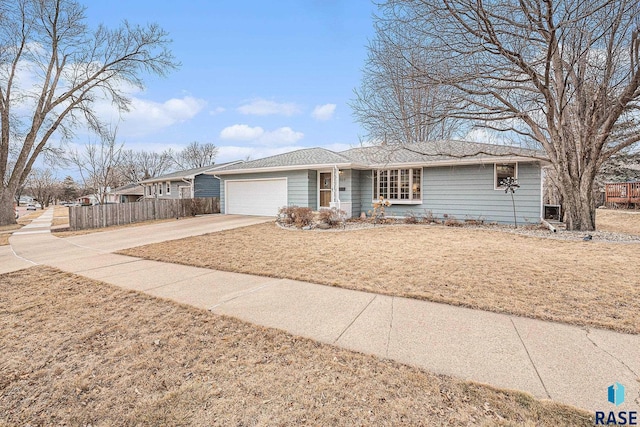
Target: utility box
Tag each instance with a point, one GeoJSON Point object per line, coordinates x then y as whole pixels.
{"type": "Point", "coordinates": [552, 212]}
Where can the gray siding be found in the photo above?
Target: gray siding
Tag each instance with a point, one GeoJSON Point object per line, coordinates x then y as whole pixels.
{"type": "Point", "coordinates": [467, 192]}
{"type": "Point", "coordinates": [297, 185]}
{"type": "Point", "coordinates": [313, 189]}
{"type": "Point", "coordinates": [356, 192]}
{"type": "Point", "coordinates": [206, 186]}
{"type": "Point", "coordinates": [366, 191]}
{"type": "Point", "coordinates": [346, 183]}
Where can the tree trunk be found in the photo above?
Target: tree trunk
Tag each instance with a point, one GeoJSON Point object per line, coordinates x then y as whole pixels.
{"type": "Point", "coordinates": [7, 213]}
{"type": "Point", "coordinates": [579, 205]}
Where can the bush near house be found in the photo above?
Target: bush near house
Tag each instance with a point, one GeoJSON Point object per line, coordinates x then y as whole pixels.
{"type": "Point", "coordinates": [295, 215]}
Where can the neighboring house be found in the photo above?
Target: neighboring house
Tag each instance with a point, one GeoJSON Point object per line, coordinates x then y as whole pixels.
{"type": "Point", "coordinates": [414, 179]}
{"type": "Point", "coordinates": [185, 184]}
{"type": "Point", "coordinates": [128, 193]}
{"type": "Point", "coordinates": [25, 200]}
{"type": "Point", "coordinates": [88, 200]}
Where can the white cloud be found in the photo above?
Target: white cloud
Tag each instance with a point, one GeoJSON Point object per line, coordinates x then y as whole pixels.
{"type": "Point", "coordinates": [228, 153]}
{"type": "Point", "coordinates": [323, 112]}
{"type": "Point", "coordinates": [241, 133]}
{"type": "Point", "coordinates": [217, 110]}
{"type": "Point", "coordinates": [146, 117]}
{"type": "Point", "coordinates": [263, 107]}
{"type": "Point", "coordinates": [257, 135]}
{"type": "Point", "coordinates": [486, 136]}
{"type": "Point", "coordinates": [284, 135]}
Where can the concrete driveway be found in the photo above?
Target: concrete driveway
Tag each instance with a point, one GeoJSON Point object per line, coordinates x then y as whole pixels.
{"type": "Point", "coordinates": [123, 238]}
{"type": "Point", "coordinates": [34, 244]}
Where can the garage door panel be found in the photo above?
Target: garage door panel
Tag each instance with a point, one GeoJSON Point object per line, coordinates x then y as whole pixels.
{"type": "Point", "coordinates": [256, 196]}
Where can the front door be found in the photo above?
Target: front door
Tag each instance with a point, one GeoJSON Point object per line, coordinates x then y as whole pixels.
{"type": "Point", "coordinates": [325, 189]}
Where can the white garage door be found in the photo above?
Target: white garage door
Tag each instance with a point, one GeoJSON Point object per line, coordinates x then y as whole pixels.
{"type": "Point", "coordinates": [256, 196]}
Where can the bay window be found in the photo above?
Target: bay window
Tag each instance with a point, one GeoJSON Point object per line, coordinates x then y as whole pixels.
{"type": "Point", "coordinates": [398, 185]}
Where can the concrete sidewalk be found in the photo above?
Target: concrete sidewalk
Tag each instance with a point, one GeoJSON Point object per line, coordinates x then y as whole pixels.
{"type": "Point", "coordinates": [549, 360]}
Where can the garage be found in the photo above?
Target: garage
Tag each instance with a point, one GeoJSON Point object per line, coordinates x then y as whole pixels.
{"type": "Point", "coordinates": [261, 197]}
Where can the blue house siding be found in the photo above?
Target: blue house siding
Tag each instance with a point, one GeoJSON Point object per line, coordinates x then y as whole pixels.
{"type": "Point", "coordinates": [467, 192]}
{"type": "Point", "coordinates": [298, 184]}
{"type": "Point", "coordinates": [356, 192]}
{"type": "Point", "coordinates": [206, 186]}
{"type": "Point", "coordinates": [312, 177]}
{"type": "Point", "coordinates": [464, 192]}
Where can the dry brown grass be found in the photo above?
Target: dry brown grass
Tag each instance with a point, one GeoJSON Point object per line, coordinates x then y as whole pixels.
{"type": "Point", "coordinates": [583, 283]}
{"type": "Point", "coordinates": [7, 230]}
{"type": "Point", "coordinates": [618, 221]}
{"type": "Point", "coordinates": [30, 216]}
{"type": "Point", "coordinates": [78, 352]}
{"type": "Point", "coordinates": [4, 239]}
{"type": "Point", "coordinates": [60, 216]}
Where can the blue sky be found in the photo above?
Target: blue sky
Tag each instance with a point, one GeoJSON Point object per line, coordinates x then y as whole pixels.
{"type": "Point", "coordinates": [257, 77]}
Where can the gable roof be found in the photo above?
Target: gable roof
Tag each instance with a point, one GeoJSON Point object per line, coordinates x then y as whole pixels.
{"type": "Point", "coordinates": [189, 173]}
{"type": "Point", "coordinates": [129, 189]}
{"type": "Point", "coordinates": [299, 159]}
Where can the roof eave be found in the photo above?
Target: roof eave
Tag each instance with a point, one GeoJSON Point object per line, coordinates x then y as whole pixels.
{"type": "Point", "coordinates": [456, 162]}
{"type": "Point", "coordinates": [285, 168]}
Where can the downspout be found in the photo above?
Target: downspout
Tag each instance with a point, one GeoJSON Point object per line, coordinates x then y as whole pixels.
{"type": "Point", "coordinates": [548, 225]}
{"type": "Point", "coordinates": [543, 221]}
{"type": "Point", "coordinates": [191, 185]}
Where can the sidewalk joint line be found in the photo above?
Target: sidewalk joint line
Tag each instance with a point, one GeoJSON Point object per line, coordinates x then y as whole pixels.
{"type": "Point", "coordinates": [586, 330]}
{"type": "Point", "coordinates": [110, 265]}
{"type": "Point", "coordinates": [171, 283]}
{"type": "Point", "coordinates": [386, 354]}
{"type": "Point", "coordinates": [81, 246]}
{"type": "Point", "coordinates": [354, 319]}
{"type": "Point", "coordinates": [249, 291]}
{"type": "Point", "coordinates": [530, 359]}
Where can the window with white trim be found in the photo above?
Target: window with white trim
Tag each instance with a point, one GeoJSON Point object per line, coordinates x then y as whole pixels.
{"type": "Point", "coordinates": [398, 185]}
{"type": "Point", "coordinates": [160, 185]}
{"type": "Point", "coordinates": [503, 171]}
{"type": "Point", "coordinates": [168, 188]}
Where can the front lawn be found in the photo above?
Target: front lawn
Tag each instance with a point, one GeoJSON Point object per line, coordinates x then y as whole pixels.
{"type": "Point", "coordinates": [582, 283]}
{"type": "Point", "coordinates": [618, 220]}
{"type": "Point", "coordinates": [79, 352]}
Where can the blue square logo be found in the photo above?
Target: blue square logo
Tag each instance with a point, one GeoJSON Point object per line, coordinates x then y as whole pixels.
{"type": "Point", "coordinates": [616, 393]}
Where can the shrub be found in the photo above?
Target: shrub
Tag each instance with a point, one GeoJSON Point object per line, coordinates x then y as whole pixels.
{"type": "Point", "coordinates": [474, 221]}
{"type": "Point", "coordinates": [296, 215]}
{"type": "Point", "coordinates": [410, 218]}
{"type": "Point", "coordinates": [428, 217]}
{"type": "Point", "coordinates": [332, 216]}
{"type": "Point", "coordinates": [378, 209]}
{"type": "Point", "coordinates": [451, 221]}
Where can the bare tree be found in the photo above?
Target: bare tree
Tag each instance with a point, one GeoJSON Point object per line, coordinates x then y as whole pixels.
{"type": "Point", "coordinates": [43, 186]}
{"type": "Point", "coordinates": [99, 165]}
{"type": "Point", "coordinates": [139, 165]}
{"type": "Point", "coordinates": [393, 104]}
{"type": "Point", "coordinates": [196, 155]}
{"type": "Point", "coordinates": [560, 75]}
{"type": "Point", "coordinates": [73, 67]}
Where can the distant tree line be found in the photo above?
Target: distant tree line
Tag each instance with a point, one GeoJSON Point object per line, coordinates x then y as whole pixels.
{"type": "Point", "coordinates": [106, 164]}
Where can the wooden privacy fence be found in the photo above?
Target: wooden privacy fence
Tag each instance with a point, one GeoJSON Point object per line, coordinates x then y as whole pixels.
{"type": "Point", "coordinates": [84, 217]}
{"type": "Point", "coordinates": [622, 192]}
